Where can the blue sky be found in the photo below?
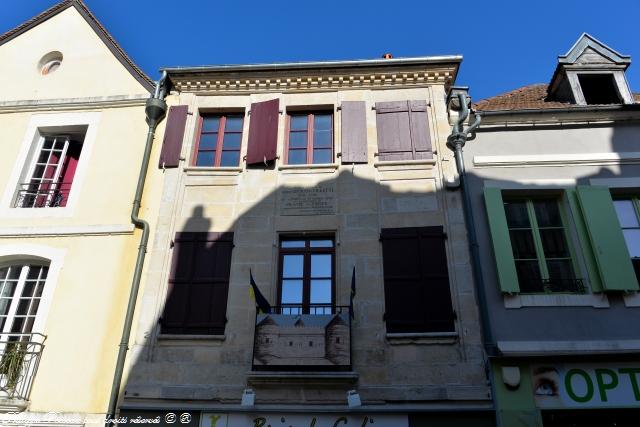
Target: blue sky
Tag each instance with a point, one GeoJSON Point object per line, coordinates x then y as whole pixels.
{"type": "Point", "coordinates": [505, 44]}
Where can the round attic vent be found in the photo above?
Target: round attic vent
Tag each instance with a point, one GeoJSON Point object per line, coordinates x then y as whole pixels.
{"type": "Point", "coordinates": [50, 62]}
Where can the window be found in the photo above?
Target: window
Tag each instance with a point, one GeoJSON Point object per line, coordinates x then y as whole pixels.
{"type": "Point", "coordinates": [599, 89]}
{"type": "Point", "coordinates": [539, 244]}
{"type": "Point", "coordinates": [416, 280]}
{"type": "Point", "coordinates": [49, 177]}
{"type": "Point", "coordinates": [628, 212]}
{"type": "Point", "coordinates": [310, 138]}
{"type": "Point", "coordinates": [307, 278]}
{"type": "Point", "coordinates": [198, 284]}
{"type": "Point", "coordinates": [21, 287]}
{"type": "Point", "coordinates": [219, 140]}
{"type": "Point", "coordinates": [403, 131]}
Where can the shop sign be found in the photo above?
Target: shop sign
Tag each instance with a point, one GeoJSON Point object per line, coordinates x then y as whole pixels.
{"type": "Point", "coordinates": [586, 385]}
{"type": "Point", "coordinates": [303, 420]}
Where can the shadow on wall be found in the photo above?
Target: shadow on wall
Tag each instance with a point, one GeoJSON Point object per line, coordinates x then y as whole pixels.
{"type": "Point", "coordinates": [200, 346]}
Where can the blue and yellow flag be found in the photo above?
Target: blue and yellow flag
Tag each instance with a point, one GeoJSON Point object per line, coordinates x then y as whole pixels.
{"type": "Point", "coordinates": [262, 304]}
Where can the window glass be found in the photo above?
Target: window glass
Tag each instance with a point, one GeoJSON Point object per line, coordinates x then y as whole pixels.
{"type": "Point", "coordinates": [310, 139]}
{"type": "Point", "coordinates": [21, 287]}
{"type": "Point", "coordinates": [626, 213]}
{"type": "Point", "coordinates": [219, 140]}
{"type": "Point", "coordinates": [292, 243]}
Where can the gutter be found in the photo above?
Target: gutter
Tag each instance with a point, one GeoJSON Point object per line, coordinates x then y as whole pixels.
{"type": "Point", "coordinates": [155, 111]}
{"type": "Point", "coordinates": [576, 109]}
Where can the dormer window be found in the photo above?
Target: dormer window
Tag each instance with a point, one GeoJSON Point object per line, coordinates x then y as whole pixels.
{"type": "Point", "coordinates": [599, 89]}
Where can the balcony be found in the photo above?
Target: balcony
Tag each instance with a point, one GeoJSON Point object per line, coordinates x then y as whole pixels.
{"type": "Point", "coordinates": [42, 195]}
{"type": "Point", "coordinates": [19, 359]}
{"type": "Point", "coordinates": [303, 338]}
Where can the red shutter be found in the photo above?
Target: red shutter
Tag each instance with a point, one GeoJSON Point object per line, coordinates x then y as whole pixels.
{"type": "Point", "coordinates": [416, 280]}
{"type": "Point", "coordinates": [354, 132]}
{"type": "Point", "coordinates": [173, 136]}
{"type": "Point", "coordinates": [263, 131]}
{"type": "Point", "coordinates": [420, 135]}
{"type": "Point", "coordinates": [198, 284]}
{"type": "Point", "coordinates": [69, 170]}
{"type": "Point", "coordinates": [394, 136]}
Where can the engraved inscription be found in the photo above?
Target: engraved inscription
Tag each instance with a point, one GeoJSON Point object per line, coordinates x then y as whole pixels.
{"type": "Point", "coordinates": [318, 200]}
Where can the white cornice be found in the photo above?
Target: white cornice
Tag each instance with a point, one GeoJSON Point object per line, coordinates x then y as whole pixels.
{"type": "Point", "coordinates": [597, 159]}
{"type": "Point", "coordinates": [68, 230]}
{"type": "Point", "coordinates": [60, 104]}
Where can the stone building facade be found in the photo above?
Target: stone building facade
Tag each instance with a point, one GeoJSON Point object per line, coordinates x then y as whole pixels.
{"type": "Point", "coordinates": [325, 182]}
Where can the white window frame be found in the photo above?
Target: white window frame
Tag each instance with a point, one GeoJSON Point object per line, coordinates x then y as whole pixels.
{"type": "Point", "coordinates": [46, 124]}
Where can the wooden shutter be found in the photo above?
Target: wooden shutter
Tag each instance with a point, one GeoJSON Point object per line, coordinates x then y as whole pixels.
{"type": "Point", "coordinates": [198, 284]}
{"type": "Point", "coordinates": [173, 136]}
{"type": "Point", "coordinates": [502, 251]}
{"type": "Point", "coordinates": [263, 131]}
{"type": "Point", "coordinates": [354, 132]}
{"type": "Point", "coordinates": [420, 135]}
{"type": "Point", "coordinates": [607, 241]}
{"type": "Point", "coordinates": [416, 280]}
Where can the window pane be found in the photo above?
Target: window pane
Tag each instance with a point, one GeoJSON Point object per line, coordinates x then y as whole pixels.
{"type": "Point", "coordinates": [48, 142]}
{"type": "Point", "coordinates": [554, 243]}
{"type": "Point", "coordinates": [626, 213]}
{"type": "Point", "coordinates": [516, 213]}
{"type": "Point", "coordinates": [297, 157]}
{"type": "Point", "coordinates": [298, 122]}
{"type": "Point", "coordinates": [321, 243]}
{"type": "Point", "coordinates": [547, 213]}
{"type": "Point", "coordinates": [522, 244]}
{"type": "Point", "coordinates": [233, 124]}
{"type": "Point", "coordinates": [231, 141]}
{"type": "Point", "coordinates": [43, 157]}
{"type": "Point", "coordinates": [321, 265]}
{"type": "Point", "coordinates": [208, 141]}
{"type": "Point", "coordinates": [292, 243]}
{"type": "Point", "coordinates": [632, 237]}
{"type": "Point", "coordinates": [321, 139]}
{"type": "Point", "coordinates": [321, 291]}
{"type": "Point", "coordinates": [529, 276]}
{"type": "Point", "coordinates": [292, 265]}
{"type": "Point", "coordinates": [322, 122]}
{"type": "Point", "coordinates": [291, 291]}
{"type": "Point", "coordinates": [560, 271]}
{"type": "Point", "coordinates": [322, 156]}
{"type": "Point", "coordinates": [205, 158]}
{"type": "Point", "coordinates": [210, 124]}
{"type": "Point", "coordinates": [298, 140]}
{"type": "Point", "coordinates": [230, 158]}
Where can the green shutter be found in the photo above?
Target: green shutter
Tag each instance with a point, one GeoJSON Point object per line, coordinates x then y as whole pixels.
{"type": "Point", "coordinates": [585, 242]}
{"type": "Point", "coordinates": [505, 265]}
{"type": "Point", "coordinates": [609, 248]}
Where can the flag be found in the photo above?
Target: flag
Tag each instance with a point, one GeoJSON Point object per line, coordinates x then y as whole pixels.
{"type": "Point", "coordinates": [353, 291]}
{"type": "Point", "coordinates": [261, 302]}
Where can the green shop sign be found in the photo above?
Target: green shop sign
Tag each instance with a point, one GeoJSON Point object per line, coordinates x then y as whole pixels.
{"type": "Point", "coordinates": [586, 385]}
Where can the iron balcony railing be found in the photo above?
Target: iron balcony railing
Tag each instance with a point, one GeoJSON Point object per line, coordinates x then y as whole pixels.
{"type": "Point", "coordinates": [42, 195]}
{"type": "Point", "coordinates": [295, 337]}
{"type": "Point", "coordinates": [19, 360]}
{"type": "Point", "coordinates": [552, 285]}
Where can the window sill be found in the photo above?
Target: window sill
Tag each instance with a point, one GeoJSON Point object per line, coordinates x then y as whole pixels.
{"type": "Point", "coordinates": [632, 299]}
{"type": "Point", "coordinates": [307, 378]}
{"type": "Point", "coordinates": [423, 338]}
{"type": "Point", "coordinates": [178, 339]}
{"type": "Point", "coordinates": [556, 300]}
{"type": "Point", "coordinates": [201, 170]}
{"type": "Point", "coordinates": [406, 169]}
{"type": "Point", "coordinates": [405, 164]}
{"type": "Point", "coordinates": [319, 168]}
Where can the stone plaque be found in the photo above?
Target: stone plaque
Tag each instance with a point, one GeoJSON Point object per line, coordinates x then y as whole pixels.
{"type": "Point", "coordinates": [316, 200]}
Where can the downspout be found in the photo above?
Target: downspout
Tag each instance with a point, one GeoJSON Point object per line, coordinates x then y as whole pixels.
{"type": "Point", "coordinates": [456, 141]}
{"type": "Point", "coordinates": [155, 111]}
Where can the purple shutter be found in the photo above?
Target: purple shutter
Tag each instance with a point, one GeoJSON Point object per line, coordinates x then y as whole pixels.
{"type": "Point", "coordinates": [394, 136]}
{"type": "Point", "coordinates": [173, 135]}
{"type": "Point", "coordinates": [198, 284]}
{"type": "Point", "coordinates": [416, 280]}
{"type": "Point", "coordinates": [420, 135]}
{"type": "Point", "coordinates": [263, 131]}
{"type": "Point", "coordinates": [354, 132]}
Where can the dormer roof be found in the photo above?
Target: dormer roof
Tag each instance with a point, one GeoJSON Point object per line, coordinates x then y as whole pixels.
{"type": "Point", "coordinates": [588, 50]}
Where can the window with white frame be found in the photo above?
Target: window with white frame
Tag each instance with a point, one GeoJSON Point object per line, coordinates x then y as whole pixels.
{"type": "Point", "coordinates": [48, 176]}
{"type": "Point", "coordinates": [21, 288]}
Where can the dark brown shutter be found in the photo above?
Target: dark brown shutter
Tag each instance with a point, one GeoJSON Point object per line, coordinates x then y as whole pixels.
{"type": "Point", "coordinates": [173, 135]}
{"type": "Point", "coordinates": [420, 135]}
{"type": "Point", "coordinates": [394, 137]}
{"type": "Point", "coordinates": [416, 280]}
{"type": "Point", "coordinates": [263, 131]}
{"type": "Point", "coordinates": [198, 284]}
{"type": "Point", "coordinates": [354, 132]}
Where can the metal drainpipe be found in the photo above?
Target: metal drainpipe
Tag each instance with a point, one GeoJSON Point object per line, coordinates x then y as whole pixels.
{"type": "Point", "coordinates": [155, 111]}
{"type": "Point", "coordinates": [456, 142]}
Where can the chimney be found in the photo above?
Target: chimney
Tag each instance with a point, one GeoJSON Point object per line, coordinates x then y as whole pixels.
{"type": "Point", "coordinates": [387, 56]}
